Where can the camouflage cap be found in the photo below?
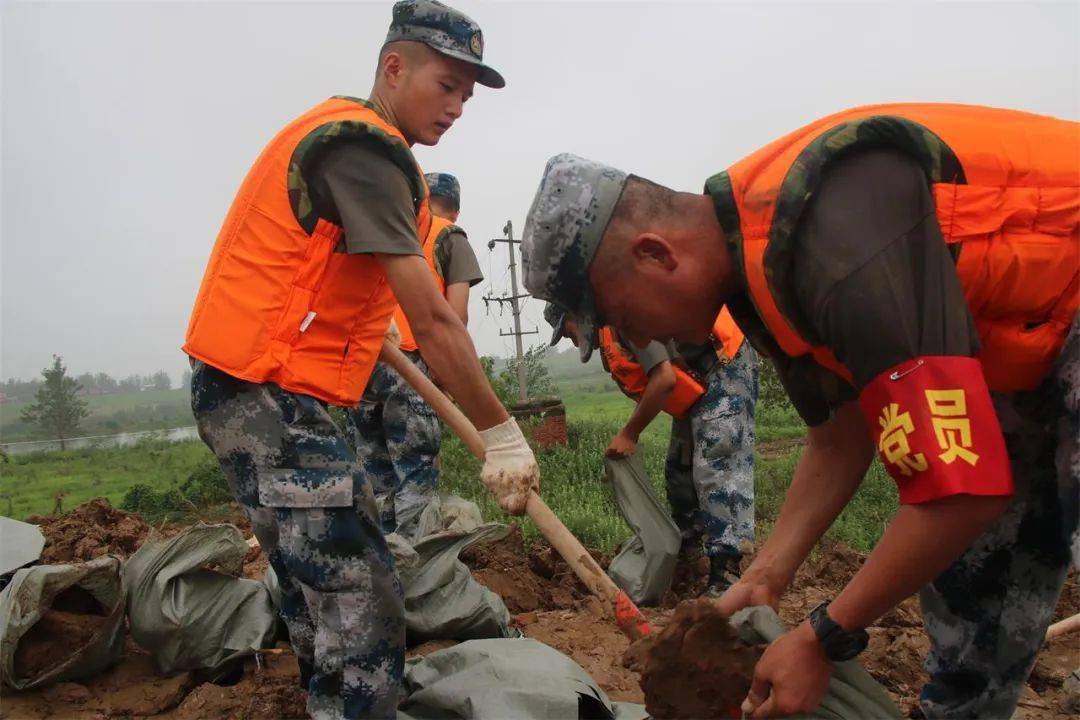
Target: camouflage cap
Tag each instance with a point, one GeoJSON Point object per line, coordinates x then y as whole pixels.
{"type": "Point", "coordinates": [556, 318]}
{"type": "Point", "coordinates": [564, 227]}
{"type": "Point", "coordinates": [444, 185]}
{"type": "Point", "coordinates": [446, 30]}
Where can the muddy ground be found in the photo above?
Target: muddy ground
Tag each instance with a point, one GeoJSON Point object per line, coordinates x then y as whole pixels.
{"type": "Point", "coordinates": [548, 604]}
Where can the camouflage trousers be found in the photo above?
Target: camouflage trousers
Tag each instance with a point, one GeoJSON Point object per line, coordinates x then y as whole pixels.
{"type": "Point", "coordinates": [313, 512]}
{"type": "Point", "coordinates": [709, 470]}
{"type": "Point", "coordinates": [396, 437]}
{"type": "Point", "coordinates": [988, 613]}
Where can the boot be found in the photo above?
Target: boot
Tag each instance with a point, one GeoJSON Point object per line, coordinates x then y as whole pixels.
{"type": "Point", "coordinates": [723, 573]}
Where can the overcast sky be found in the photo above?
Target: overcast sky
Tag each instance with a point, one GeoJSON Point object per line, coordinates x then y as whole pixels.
{"type": "Point", "coordinates": [128, 127]}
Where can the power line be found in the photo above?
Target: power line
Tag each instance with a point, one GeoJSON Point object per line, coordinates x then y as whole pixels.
{"type": "Point", "coordinates": [515, 306]}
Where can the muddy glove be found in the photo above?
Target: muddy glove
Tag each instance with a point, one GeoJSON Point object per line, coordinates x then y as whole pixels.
{"type": "Point", "coordinates": [393, 334]}
{"type": "Point", "coordinates": [510, 471]}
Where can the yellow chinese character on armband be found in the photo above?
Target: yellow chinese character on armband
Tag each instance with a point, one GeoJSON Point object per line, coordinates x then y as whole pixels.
{"type": "Point", "coordinates": [893, 441]}
{"type": "Point", "coordinates": [952, 427]}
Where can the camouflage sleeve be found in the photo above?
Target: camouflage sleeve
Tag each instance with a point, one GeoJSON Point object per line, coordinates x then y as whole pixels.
{"type": "Point", "coordinates": [877, 282]}
{"type": "Point", "coordinates": [457, 260]}
{"type": "Point", "coordinates": [358, 187]}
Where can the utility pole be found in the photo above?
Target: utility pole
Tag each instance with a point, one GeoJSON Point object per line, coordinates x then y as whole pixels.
{"type": "Point", "coordinates": [513, 298]}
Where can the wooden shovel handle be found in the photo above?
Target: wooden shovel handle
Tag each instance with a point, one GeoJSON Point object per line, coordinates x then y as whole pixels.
{"type": "Point", "coordinates": [1063, 627]}
{"type": "Point", "coordinates": [569, 547]}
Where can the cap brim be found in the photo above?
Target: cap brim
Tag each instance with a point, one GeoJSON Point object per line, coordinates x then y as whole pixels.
{"type": "Point", "coordinates": [557, 335]}
{"type": "Point", "coordinates": [587, 338]}
{"type": "Point", "coordinates": [485, 75]}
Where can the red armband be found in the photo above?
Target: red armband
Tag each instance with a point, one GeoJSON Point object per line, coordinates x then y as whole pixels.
{"type": "Point", "coordinates": [936, 430]}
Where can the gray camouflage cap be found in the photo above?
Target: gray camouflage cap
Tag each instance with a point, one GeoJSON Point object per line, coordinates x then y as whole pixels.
{"type": "Point", "coordinates": [446, 30]}
{"type": "Point", "coordinates": [444, 185]}
{"type": "Point", "coordinates": [564, 227]}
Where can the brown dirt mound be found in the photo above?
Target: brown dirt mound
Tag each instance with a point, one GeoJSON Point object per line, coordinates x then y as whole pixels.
{"type": "Point", "coordinates": [91, 530]}
{"type": "Point", "coordinates": [128, 689]}
{"type": "Point", "coordinates": [72, 622]}
{"type": "Point", "coordinates": [588, 635]}
{"type": "Point", "coordinates": [527, 580]}
{"type": "Point", "coordinates": [268, 689]}
{"type": "Point", "coordinates": [696, 667]}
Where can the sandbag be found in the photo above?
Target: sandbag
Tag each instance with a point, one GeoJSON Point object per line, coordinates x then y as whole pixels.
{"type": "Point", "coordinates": [442, 599]}
{"type": "Point", "coordinates": [645, 564]}
{"type": "Point", "coordinates": [852, 693]}
{"type": "Point", "coordinates": [61, 622]}
{"type": "Point", "coordinates": [20, 544]}
{"type": "Point", "coordinates": [189, 617]}
{"type": "Point", "coordinates": [512, 678]}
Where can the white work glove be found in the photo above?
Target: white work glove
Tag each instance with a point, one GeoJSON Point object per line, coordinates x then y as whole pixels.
{"type": "Point", "coordinates": [510, 471]}
{"type": "Point", "coordinates": [393, 334]}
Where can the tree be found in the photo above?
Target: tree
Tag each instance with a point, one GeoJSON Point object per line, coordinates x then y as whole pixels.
{"type": "Point", "coordinates": [105, 383]}
{"type": "Point", "coordinates": [185, 380]}
{"type": "Point", "coordinates": [161, 380]}
{"type": "Point", "coordinates": [57, 409]}
{"type": "Point", "coordinates": [86, 383]}
{"type": "Point", "coordinates": [538, 380]}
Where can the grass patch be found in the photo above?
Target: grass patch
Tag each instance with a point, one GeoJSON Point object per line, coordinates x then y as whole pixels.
{"type": "Point", "coordinates": [29, 483]}
{"type": "Point", "coordinates": [171, 477]}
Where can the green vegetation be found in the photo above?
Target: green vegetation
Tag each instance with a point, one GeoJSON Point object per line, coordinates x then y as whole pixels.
{"type": "Point", "coordinates": [161, 480]}
{"type": "Point", "coordinates": [57, 409]}
{"type": "Point", "coordinates": [109, 414]}
{"type": "Point", "coordinates": [29, 484]}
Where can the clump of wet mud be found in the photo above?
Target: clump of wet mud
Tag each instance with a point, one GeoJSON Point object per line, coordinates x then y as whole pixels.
{"type": "Point", "coordinates": [74, 620]}
{"type": "Point", "coordinates": [527, 580]}
{"type": "Point", "coordinates": [91, 530]}
{"type": "Point", "coordinates": [696, 667]}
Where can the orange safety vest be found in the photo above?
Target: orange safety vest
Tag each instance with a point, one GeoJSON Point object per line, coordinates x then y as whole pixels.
{"type": "Point", "coordinates": [277, 303]}
{"type": "Point", "coordinates": [1007, 193]}
{"type": "Point", "coordinates": [631, 378]}
{"type": "Point", "coordinates": [439, 227]}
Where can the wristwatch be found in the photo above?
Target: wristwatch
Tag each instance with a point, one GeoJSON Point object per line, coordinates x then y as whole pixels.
{"type": "Point", "coordinates": [839, 644]}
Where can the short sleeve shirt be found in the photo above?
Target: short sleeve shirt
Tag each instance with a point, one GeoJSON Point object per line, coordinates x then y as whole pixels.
{"type": "Point", "coordinates": [454, 256]}
{"type": "Point", "coordinates": [649, 356]}
{"type": "Point", "coordinates": [355, 185]}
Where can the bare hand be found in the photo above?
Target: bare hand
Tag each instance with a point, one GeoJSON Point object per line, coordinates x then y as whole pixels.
{"type": "Point", "coordinates": [791, 677]}
{"type": "Point", "coordinates": [621, 446]}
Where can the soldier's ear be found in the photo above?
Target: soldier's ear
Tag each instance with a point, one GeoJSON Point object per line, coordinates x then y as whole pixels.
{"type": "Point", "coordinates": [392, 67]}
{"type": "Point", "coordinates": [653, 251]}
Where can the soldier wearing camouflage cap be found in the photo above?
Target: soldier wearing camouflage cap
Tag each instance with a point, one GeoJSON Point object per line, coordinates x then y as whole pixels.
{"type": "Point", "coordinates": [393, 427]}
{"type": "Point", "coordinates": [877, 257]}
{"type": "Point", "coordinates": [322, 242]}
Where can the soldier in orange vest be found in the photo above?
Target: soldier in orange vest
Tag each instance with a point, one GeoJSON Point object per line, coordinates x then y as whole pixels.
{"type": "Point", "coordinates": [394, 432]}
{"type": "Point", "coordinates": [711, 395]}
{"type": "Point", "coordinates": [319, 246]}
{"type": "Point", "coordinates": [912, 272]}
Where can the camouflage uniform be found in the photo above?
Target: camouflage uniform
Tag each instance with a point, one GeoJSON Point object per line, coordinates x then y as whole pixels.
{"type": "Point", "coordinates": [988, 613]}
{"type": "Point", "coordinates": [312, 509]}
{"type": "Point", "coordinates": [710, 463]}
{"type": "Point", "coordinates": [396, 437]}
